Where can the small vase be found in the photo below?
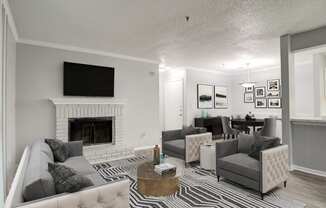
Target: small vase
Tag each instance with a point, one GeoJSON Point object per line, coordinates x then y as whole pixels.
{"type": "Point", "coordinates": [156, 156]}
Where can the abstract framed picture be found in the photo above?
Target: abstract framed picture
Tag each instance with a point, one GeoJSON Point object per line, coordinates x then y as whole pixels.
{"type": "Point", "coordinates": [274, 103]}
{"type": "Point", "coordinates": [260, 92]}
{"type": "Point", "coordinates": [273, 85]}
{"type": "Point", "coordinates": [248, 97]}
{"type": "Point", "coordinates": [260, 103]}
{"type": "Point", "coordinates": [273, 94]}
{"type": "Point", "coordinates": [221, 97]}
{"type": "Point", "coordinates": [205, 97]}
{"type": "Point", "coordinates": [249, 89]}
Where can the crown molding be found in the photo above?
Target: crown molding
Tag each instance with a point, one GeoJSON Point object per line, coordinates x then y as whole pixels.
{"type": "Point", "coordinates": [11, 21]}
{"type": "Point", "coordinates": [83, 50]}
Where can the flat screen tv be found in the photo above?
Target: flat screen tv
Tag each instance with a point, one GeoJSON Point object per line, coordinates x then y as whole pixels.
{"type": "Point", "coordinates": [88, 80]}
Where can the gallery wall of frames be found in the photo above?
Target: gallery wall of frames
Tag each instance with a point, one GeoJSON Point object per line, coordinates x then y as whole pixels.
{"type": "Point", "coordinates": [212, 96]}
{"type": "Point", "coordinates": [268, 96]}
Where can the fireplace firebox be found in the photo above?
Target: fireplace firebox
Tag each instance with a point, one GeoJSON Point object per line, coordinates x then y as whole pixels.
{"type": "Point", "coordinates": [92, 131]}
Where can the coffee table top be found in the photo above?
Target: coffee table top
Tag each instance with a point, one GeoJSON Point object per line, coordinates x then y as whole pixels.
{"type": "Point", "coordinates": [146, 171]}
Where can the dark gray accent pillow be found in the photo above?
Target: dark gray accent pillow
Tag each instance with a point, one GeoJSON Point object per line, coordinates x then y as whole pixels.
{"type": "Point", "coordinates": [59, 149]}
{"type": "Point", "coordinates": [188, 131]}
{"type": "Point", "coordinates": [262, 143]}
{"type": "Point", "coordinates": [66, 179]}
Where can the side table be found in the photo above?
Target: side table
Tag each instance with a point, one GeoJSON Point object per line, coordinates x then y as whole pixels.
{"type": "Point", "coordinates": [208, 156]}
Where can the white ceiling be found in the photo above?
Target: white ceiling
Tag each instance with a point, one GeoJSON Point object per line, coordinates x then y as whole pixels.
{"type": "Point", "coordinates": [229, 32]}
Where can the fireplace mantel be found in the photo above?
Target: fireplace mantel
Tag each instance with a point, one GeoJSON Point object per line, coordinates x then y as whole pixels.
{"type": "Point", "coordinates": [69, 107]}
{"type": "Point", "coordinates": [87, 101]}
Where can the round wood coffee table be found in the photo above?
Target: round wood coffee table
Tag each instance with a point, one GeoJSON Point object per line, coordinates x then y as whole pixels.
{"type": "Point", "coordinates": [152, 184]}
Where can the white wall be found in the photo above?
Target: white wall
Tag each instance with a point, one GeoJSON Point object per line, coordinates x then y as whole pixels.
{"type": "Point", "coordinates": [10, 107]}
{"type": "Point", "coordinates": [40, 77]}
{"type": "Point", "coordinates": [304, 90]}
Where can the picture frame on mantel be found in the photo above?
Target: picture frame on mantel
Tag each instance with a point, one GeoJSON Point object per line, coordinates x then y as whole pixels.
{"type": "Point", "coordinates": [205, 96]}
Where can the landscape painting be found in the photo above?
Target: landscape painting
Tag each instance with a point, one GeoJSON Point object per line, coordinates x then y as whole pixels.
{"type": "Point", "coordinates": [205, 97]}
{"type": "Point", "coordinates": [221, 97]}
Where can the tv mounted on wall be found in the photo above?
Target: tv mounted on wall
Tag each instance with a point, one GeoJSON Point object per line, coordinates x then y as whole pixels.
{"type": "Point", "coordinates": [88, 80]}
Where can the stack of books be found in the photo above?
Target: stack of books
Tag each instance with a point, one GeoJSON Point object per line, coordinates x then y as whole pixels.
{"type": "Point", "coordinates": [165, 169]}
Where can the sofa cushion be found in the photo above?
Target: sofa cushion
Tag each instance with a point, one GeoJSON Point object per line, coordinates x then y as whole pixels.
{"type": "Point", "coordinates": [245, 143]}
{"type": "Point", "coordinates": [80, 165]}
{"type": "Point", "coordinates": [66, 179]}
{"type": "Point", "coordinates": [96, 179]}
{"type": "Point", "coordinates": [59, 149]}
{"type": "Point", "coordinates": [176, 146]}
{"type": "Point", "coordinates": [240, 164]}
{"type": "Point", "coordinates": [38, 182]}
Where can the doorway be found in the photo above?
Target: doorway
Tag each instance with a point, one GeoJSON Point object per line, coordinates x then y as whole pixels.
{"type": "Point", "coordinates": [173, 105]}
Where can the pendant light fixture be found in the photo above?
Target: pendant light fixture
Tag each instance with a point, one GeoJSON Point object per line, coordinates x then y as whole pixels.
{"type": "Point", "coordinates": [248, 82]}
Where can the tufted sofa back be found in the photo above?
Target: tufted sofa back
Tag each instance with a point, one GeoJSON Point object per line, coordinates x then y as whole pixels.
{"type": "Point", "coordinates": [112, 195]}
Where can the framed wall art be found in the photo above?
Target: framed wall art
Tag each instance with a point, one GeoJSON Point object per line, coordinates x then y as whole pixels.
{"type": "Point", "coordinates": [273, 94]}
{"type": "Point", "coordinates": [221, 97]}
{"type": "Point", "coordinates": [248, 97]}
{"type": "Point", "coordinates": [274, 103]}
{"type": "Point", "coordinates": [273, 85]}
{"type": "Point", "coordinates": [205, 96]}
{"type": "Point", "coordinates": [260, 92]}
{"type": "Point", "coordinates": [260, 103]}
{"type": "Point", "coordinates": [249, 89]}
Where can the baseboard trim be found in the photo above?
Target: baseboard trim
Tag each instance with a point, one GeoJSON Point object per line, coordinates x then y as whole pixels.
{"type": "Point", "coordinates": [308, 170]}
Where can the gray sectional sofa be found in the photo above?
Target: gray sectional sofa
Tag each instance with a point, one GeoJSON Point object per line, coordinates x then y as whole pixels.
{"type": "Point", "coordinates": [33, 185]}
{"type": "Point", "coordinates": [234, 163]}
{"type": "Point", "coordinates": [184, 143]}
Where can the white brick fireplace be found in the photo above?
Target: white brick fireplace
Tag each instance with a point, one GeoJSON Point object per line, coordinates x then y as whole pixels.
{"type": "Point", "coordinates": [67, 108]}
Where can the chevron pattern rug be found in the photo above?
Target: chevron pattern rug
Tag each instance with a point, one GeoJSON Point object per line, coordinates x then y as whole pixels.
{"type": "Point", "coordinates": [198, 188]}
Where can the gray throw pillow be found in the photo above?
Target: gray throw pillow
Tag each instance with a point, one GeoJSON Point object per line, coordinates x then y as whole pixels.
{"type": "Point", "coordinates": [59, 149]}
{"type": "Point", "coordinates": [66, 179]}
{"type": "Point", "coordinates": [188, 131]}
{"type": "Point", "coordinates": [262, 143]}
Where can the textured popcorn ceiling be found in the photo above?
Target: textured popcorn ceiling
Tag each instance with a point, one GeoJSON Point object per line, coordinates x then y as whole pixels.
{"type": "Point", "coordinates": [229, 32]}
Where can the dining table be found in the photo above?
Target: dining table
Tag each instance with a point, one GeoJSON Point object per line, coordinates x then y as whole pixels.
{"type": "Point", "coordinates": [247, 123]}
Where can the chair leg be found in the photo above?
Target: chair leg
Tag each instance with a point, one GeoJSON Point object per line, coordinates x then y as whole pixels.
{"type": "Point", "coordinates": [284, 184]}
{"type": "Point", "coordinates": [262, 196]}
{"type": "Point", "coordinates": [218, 178]}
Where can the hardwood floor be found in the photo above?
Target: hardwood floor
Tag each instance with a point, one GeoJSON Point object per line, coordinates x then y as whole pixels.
{"type": "Point", "coordinates": [307, 188]}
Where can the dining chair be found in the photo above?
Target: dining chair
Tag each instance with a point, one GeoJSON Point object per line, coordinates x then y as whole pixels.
{"type": "Point", "coordinates": [227, 130]}
{"type": "Point", "coordinates": [269, 128]}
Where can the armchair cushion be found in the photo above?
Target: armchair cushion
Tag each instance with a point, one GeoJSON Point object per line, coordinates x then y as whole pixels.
{"type": "Point", "coordinates": [245, 143]}
{"type": "Point", "coordinates": [226, 148]}
{"type": "Point", "coordinates": [263, 143]}
{"type": "Point", "coordinates": [240, 164]}
{"type": "Point", "coordinates": [176, 146]}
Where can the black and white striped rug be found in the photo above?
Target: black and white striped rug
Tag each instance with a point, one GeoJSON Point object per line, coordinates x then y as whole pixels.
{"type": "Point", "coordinates": [198, 188]}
